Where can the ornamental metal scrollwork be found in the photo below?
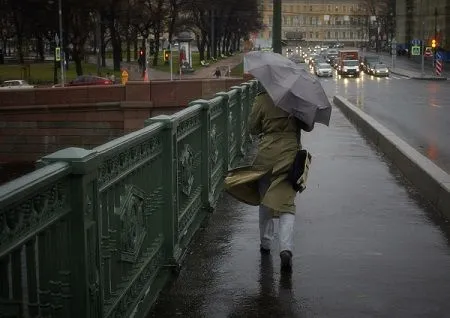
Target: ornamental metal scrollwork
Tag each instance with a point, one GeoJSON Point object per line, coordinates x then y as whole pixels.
{"type": "Point", "coordinates": [25, 217]}
{"type": "Point", "coordinates": [187, 169]}
{"type": "Point", "coordinates": [214, 154]}
{"type": "Point", "coordinates": [230, 124]}
{"type": "Point", "coordinates": [131, 212]}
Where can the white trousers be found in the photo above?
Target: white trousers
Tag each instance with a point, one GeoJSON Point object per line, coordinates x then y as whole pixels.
{"type": "Point", "coordinates": [266, 224]}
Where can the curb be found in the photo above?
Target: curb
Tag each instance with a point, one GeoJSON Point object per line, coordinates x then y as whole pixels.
{"type": "Point", "coordinates": [427, 78]}
{"type": "Point", "coordinates": [432, 182]}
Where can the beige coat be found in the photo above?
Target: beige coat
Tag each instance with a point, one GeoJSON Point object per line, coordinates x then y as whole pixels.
{"type": "Point", "coordinates": [278, 145]}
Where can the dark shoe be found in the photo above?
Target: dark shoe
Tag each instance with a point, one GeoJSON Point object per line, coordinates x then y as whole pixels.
{"type": "Point", "coordinates": [264, 251]}
{"type": "Point", "coordinates": [286, 261]}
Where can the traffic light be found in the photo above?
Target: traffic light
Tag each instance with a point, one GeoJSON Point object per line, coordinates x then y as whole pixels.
{"type": "Point", "coordinates": [141, 57]}
{"type": "Point", "coordinates": [166, 55]}
{"type": "Point", "coordinates": [433, 43]}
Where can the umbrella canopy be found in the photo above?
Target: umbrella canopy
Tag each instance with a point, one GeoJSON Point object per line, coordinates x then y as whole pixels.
{"type": "Point", "coordinates": [291, 87]}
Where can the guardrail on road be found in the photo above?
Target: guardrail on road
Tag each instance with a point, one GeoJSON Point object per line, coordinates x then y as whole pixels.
{"type": "Point", "coordinates": [96, 233]}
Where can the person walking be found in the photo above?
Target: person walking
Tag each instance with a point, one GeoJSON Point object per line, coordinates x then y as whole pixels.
{"type": "Point", "coordinates": [265, 182]}
{"type": "Point", "coordinates": [217, 73]}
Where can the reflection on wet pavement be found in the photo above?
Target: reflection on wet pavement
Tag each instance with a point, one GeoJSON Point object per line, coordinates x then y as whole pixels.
{"type": "Point", "coordinates": [366, 246]}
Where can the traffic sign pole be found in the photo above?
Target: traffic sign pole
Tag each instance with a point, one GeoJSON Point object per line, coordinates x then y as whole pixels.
{"type": "Point", "coordinates": [393, 52]}
{"type": "Point", "coordinates": [439, 64]}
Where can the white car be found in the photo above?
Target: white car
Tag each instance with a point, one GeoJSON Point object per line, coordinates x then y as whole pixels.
{"type": "Point", "coordinates": [15, 84]}
{"type": "Point", "coordinates": [323, 69]}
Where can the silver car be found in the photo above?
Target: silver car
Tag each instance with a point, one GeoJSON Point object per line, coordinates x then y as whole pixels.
{"type": "Point", "coordinates": [323, 69]}
{"type": "Point", "coordinates": [15, 84]}
{"type": "Point", "coordinates": [380, 70]}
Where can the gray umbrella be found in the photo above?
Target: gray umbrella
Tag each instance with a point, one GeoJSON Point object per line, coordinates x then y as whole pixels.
{"type": "Point", "coordinates": [291, 88]}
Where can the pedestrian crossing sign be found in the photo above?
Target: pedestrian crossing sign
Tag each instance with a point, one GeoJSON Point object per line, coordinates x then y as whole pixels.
{"type": "Point", "coordinates": [415, 50]}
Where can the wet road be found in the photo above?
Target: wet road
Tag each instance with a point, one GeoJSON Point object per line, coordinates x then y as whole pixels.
{"type": "Point", "coordinates": [366, 246]}
{"type": "Point", "coordinates": [417, 111]}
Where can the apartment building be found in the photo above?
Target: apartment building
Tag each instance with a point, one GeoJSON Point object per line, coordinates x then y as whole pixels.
{"type": "Point", "coordinates": [320, 21]}
{"type": "Point", "coordinates": [423, 19]}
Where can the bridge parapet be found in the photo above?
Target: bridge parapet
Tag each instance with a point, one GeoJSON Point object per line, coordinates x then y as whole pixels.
{"type": "Point", "coordinates": [97, 233]}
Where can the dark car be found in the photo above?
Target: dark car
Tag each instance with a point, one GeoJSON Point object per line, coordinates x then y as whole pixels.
{"type": "Point", "coordinates": [368, 61]}
{"type": "Point", "coordinates": [297, 59]}
{"type": "Point", "coordinates": [85, 80]}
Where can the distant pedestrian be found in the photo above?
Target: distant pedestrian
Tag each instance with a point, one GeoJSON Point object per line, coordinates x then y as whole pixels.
{"type": "Point", "coordinates": [217, 73]}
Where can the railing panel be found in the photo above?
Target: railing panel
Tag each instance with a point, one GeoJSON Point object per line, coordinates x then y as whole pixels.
{"type": "Point", "coordinates": [35, 271]}
{"type": "Point", "coordinates": [130, 183]}
{"type": "Point", "coordinates": [189, 164]}
{"type": "Point", "coordinates": [233, 102]}
{"type": "Point", "coordinates": [92, 232]}
{"type": "Point", "coordinates": [218, 146]}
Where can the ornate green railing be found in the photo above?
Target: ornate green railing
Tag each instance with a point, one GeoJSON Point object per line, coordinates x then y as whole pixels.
{"type": "Point", "coordinates": [97, 233]}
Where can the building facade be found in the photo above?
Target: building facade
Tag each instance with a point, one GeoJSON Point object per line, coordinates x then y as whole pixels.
{"type": "Point", "coordinates": [423, 19]}
{"type": "Point", "coordinates": [319, 21]}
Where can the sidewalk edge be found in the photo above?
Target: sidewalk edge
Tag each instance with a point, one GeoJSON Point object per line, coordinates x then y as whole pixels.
{"type": "Point", "coordinates": [427, 78]}
{"type": "Point", "coordinates": [432, 182]}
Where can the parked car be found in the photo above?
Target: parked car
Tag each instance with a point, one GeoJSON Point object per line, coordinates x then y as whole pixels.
{"type": "Point", "coordinates": [85, 80]}
{"type": "Point", "coordinates": [380, 69]}
{"type": "Point", "coordinates": [15, 84]}
{"type": "Point", "coordinates": [323, 69]}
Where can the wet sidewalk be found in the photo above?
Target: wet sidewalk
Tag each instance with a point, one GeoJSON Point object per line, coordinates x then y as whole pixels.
{"type": "Point", "coordinates": [366, 246]}
{"type": "Point", "coordinates": [200, 71]}
{"type": "Point", "coordinates": [412, 69]}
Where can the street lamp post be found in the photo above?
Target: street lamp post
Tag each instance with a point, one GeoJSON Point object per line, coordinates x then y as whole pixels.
{"type": "Point", "coordinates": [61, 41]}
{"type": "Point", "coordinates": [276, 27]}
{"type": "Point", "coordinates": [422, 51]}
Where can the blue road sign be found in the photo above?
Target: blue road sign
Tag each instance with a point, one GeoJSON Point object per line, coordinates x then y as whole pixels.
{"type": "Point", "coordinates": [415, 42]}
{"type": "Point", "coordinates": [439, 56]}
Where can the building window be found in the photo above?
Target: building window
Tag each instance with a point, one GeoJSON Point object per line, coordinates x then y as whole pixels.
{"type": "Point", "coordinates": [329, 8]}
{"type": "Point", "coordinates": [351, 35]}
{"type": "Point", "coordinates": [344, 8]}
{"type": "Point", "coordinates": [310, 8]}
{"type": "Point", "coordinates": [328, 35]}
{"type": "Point", "coordinates": [336, 35]}
{"type": "Point", "coordinates": [343, 34]}
{"type": "Point", "coordinates": [336, 9]}
{"type": "Point", "coordinates": [317, 35]}
{"type": "Point", "coordinates": [311, 35]}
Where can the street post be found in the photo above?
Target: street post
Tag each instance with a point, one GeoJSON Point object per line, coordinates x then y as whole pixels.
{"type": "Point", "coordinates": [422, 47]}
{"type": "Point", "coordinates": [57, 58]}
{"type": "Point", "coordinates": [171, 61]}
{"type": "Point", "coordinates": [393, 52]}
{"type": "Point", "coordinates": [276, 27]}
{"type": "Point", "coordinates": [61, 41]}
